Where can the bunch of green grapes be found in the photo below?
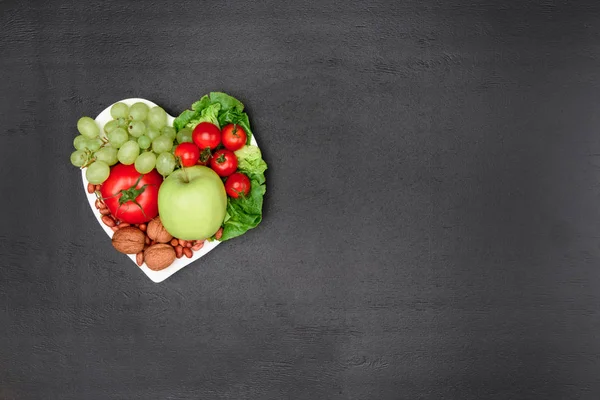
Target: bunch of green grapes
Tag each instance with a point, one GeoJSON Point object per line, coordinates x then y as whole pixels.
{"type": "Point", "coordinates": [137, 135]}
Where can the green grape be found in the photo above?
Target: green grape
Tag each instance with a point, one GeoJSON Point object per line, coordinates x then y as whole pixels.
{"type": "Point", "coordinates": [138, 112]}
{"type": "Point", "coordinates": [97, 172]}
{"type": "Point", "coordinates": [78, 158]}
{"type": "Point", "coordinates": [165, 163]}
{"type": "Point", "coordinates": [128, 152]}
{"type": "Point", "coordinates": [80, 142]}
{"type": "Point", "coordinates": [169, 131]}
{"type": "Point", "coordinates": [94, 144]}
{"type": "Point", "coordinates": [145, 162]}
{"type": "Point", "coordinates": [184, 135]}
{"type": "Point", "coordinates": [123, 122]}
{"type": "Point", "coordinates": [144, 142]}
{"type": "Point", "coordinates": [111, 126]}
{"type": "Point", "coordinates": [118, 137]}
{"type": "Point", "coordinates": [152, 133]}
{"type": "Point", "coordinates": [107, 154]}
{"type": "Point", "coordinates": [157, 117]}
{"type": "Point", "coordinates": [161, 144]}
{"type": "Point", "coordinates": [88, 127]}
{"type": "Point", "coordinates": [119, 110]}
{"type": "Point", "coordinates": [136, 128]}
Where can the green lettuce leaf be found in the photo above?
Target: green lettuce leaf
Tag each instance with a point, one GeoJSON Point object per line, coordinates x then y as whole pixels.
{"type": "Point", "coordinates": [183, 119]}
{"type": "Point", "coordinates": [227, 102]}
{"type": "Point", "coordinates": [250, 162]}
{"type": "Point", "coordinates": [201, 104]}
{"type": "Point", "coordinates": [208, 114]}
{"type": "Point", "coordinates": [245, 213]}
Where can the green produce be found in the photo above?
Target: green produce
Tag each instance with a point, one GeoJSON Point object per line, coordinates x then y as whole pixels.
{"type": "Point", "coordinates": [192, 203]}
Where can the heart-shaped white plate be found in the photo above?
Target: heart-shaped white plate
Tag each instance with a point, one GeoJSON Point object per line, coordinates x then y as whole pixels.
{"type": "Point", "coordinates": [155, 276]}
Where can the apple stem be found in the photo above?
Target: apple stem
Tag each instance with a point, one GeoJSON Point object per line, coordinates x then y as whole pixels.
{"type": "Point", "coordinates": [185, 175]}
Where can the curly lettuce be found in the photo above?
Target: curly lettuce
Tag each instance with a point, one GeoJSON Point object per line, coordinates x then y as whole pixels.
{"type": "Point", "coordinates": [217, 108]}
{"type": "Point", "coordinates": [245, 212]}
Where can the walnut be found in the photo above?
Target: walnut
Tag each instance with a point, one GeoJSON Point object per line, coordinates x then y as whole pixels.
{"type": "Point", "coordinates": [157, 232]}
{"type": "Point", "coordinates": [129, 240]}
{"type": "Point", "coordinates": [159, 256]}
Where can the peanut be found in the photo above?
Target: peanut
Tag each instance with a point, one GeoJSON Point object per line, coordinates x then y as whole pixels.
{"type": "Point", "coordinates": [198, 245]}
{"type": "Point", "coordinates": [174, 242]}
{"type": "Point", "coordinates": [123, 225]}
{"type": "Point", "coordinates": [97, 187]}
{"type": "Point", "coordinates": [90, 188]}
{"type": "Point", "coordinates": [148, 241]}
{"type": "Point", "coordinates": [139, 258]}
{"type": "Point", "coordinates": [188, 252]}
{"type": "Point", "coordinates": [219, 234]}
{"type": "Point", "coordinates": [143, 227]}
{"type": "Point", "coordinates": [115, 228]}
{"type": "Point", "coordinates": [182, 242]}
{"type": "Point", "coordinates": [99, 204]}
{"type": "Point", "coordinates": [179, 251]}
{"type": "Point", "coordinates": [104, 211]}
{"type": "Point", "coordinates": [108, 221]}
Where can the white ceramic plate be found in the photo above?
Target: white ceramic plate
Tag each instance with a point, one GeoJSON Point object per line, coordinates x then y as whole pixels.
{"type": "Point", "coordinates": [155, 276]}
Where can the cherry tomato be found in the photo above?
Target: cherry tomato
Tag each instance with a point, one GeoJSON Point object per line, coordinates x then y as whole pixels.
{"type": "Point", "coordinates": [130, 196]}
{"type": "Point", "coordinates": [224, 162]}
{"type": "Point", "coordinates": [206, 135]}
{"type": "Point", "coordinates": [233, 136]}
{"type": "Point", "coordinates": [188, 153]}
{"type": "Point", "coordinates": [237, 184]}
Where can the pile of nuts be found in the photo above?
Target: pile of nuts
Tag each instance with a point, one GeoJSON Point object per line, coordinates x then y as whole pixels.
{"type": "Point", "coordinates": [151, 243]}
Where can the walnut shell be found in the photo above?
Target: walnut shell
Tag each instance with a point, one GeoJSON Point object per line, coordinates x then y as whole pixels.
{"type": "Point", "coordinates": [157, 232]}
{"type": "Point", "coordinates": [159, 256]}
{"type": "Point", "coordinates": [129, 240]}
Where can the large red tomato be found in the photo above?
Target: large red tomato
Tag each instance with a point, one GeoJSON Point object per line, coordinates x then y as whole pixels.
{"type": "Point", "coordinates": [130, 196]}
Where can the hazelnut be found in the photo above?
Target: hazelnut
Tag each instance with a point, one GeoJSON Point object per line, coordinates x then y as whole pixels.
{"type": "Point", "coordinates": [159, 256]}
{"type": "Point", "coordinates": [129, 240]}
{"type": "Point", "coordinates": [157, 232]}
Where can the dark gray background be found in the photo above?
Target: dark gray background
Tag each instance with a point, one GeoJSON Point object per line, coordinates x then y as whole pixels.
{"type": "Point", "coordinates": [432, 220]}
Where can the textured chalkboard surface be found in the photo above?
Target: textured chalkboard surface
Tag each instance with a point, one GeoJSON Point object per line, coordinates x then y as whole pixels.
{"type": "Point", "coordinates": [432, 220]}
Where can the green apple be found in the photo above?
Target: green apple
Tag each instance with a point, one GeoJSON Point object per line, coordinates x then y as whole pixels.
{"type": "Point", "coordinates": [192, 203]}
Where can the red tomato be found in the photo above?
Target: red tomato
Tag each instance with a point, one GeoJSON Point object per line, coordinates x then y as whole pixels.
{"type": "Point", "coordinates": [130, 196]}
{"type": "Point", "coordinates": [206, 135]}
{"type": "Point", "coordinates": [224, 162]}
{"type": "Point", "coordinates": [237, 184]}
{"type": "Point", "coordinates": [188, 153]}
{"type": "Point", "coordinates": [233, 137]}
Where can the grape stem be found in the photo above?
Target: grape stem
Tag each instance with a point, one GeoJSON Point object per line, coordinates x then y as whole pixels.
{"type": "Point", "coordinates": [89, 158]}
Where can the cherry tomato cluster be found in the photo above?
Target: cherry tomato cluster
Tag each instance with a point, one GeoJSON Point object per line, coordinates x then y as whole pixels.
{"type": "Point", "coordinates": [215, 148]}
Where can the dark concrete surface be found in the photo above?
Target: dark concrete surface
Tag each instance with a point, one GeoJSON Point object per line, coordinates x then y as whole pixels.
{"type": "Point", "coordinates": [432, 220]}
